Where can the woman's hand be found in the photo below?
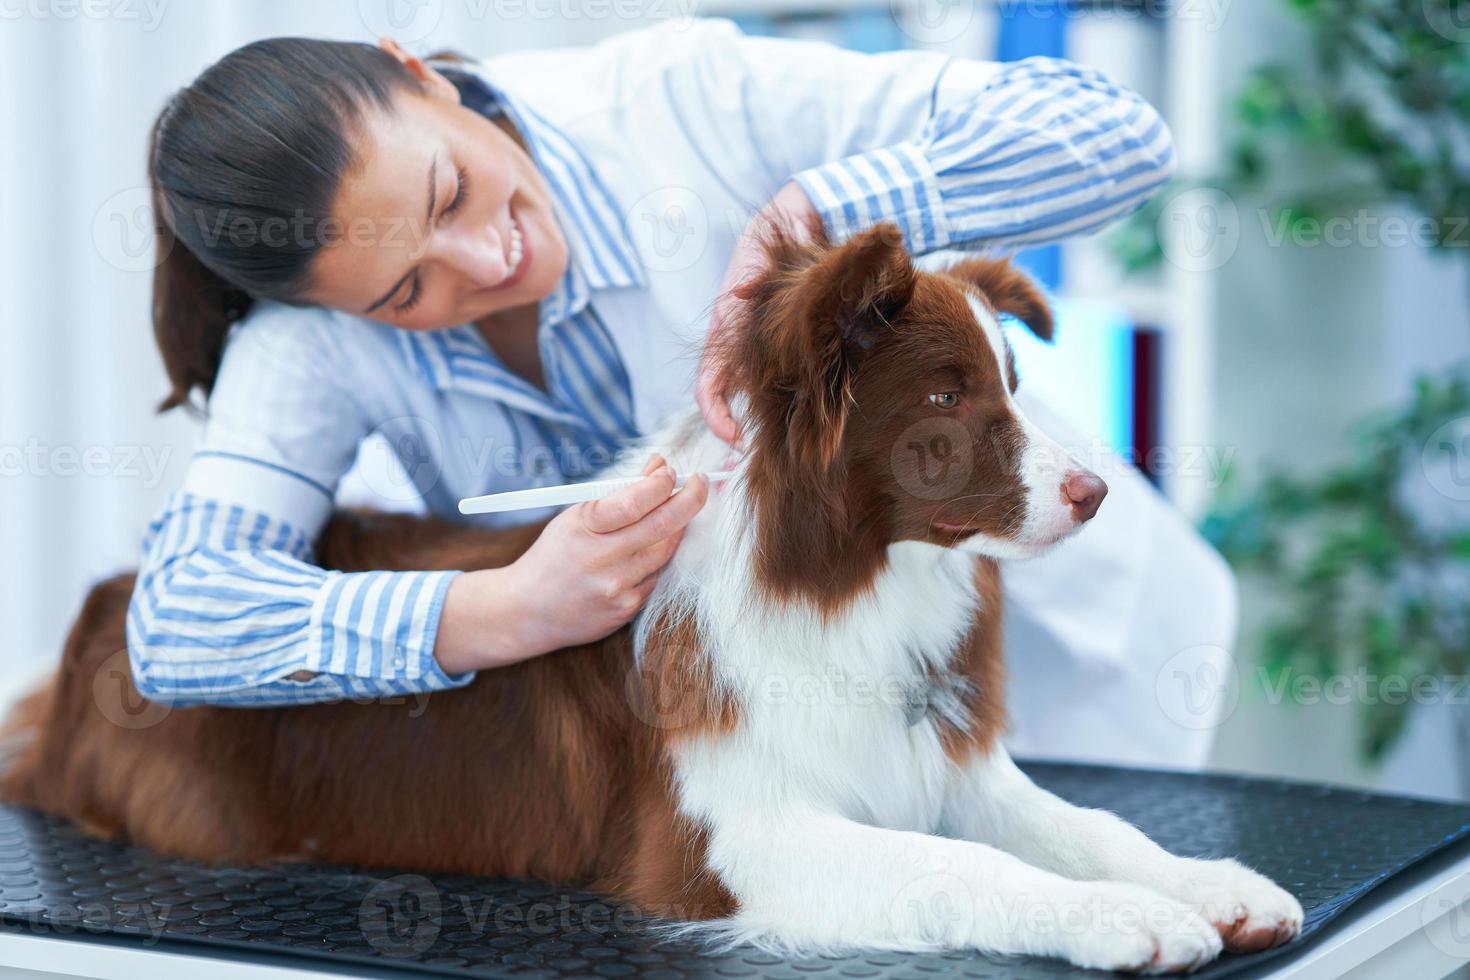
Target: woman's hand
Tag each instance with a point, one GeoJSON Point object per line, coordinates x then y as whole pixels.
{"type": "Point", "coordinates": [793, 209]}
{"type": "Point", "coordinates": [588, 573]}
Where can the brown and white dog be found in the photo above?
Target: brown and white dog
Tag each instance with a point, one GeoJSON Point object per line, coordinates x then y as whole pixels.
{"type": "Point", "coordinates": [796, 742]}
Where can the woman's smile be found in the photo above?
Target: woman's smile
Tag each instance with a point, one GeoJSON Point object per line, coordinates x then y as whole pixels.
{"type": "Point", "coordinates": [517, 255]}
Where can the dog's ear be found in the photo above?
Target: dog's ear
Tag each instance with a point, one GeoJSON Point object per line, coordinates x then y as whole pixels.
{"type": "Point", "coordinates": [1008, 290]}
{"type": "Point", "coordinates": [841, 306]}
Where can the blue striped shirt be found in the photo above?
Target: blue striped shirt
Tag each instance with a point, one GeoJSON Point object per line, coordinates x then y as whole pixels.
{"type": "Point", "coordinates": [655, 137]}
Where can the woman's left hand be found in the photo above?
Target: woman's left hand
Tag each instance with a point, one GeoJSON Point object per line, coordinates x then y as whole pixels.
{"type": "Point", "coordinates": [793, 209]}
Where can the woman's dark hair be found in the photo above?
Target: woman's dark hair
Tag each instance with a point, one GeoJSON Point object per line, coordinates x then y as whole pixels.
{"type": "Point", "coordinates": [245, 164]}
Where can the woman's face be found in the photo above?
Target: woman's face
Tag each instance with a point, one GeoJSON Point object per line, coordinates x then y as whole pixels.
{"type": "Point", "coordinates": [444, 220]}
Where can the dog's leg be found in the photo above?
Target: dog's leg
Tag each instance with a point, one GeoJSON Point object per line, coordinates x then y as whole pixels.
{"type": "Point", "coordinates": [992, 801]}
{"type": "Point", "coordinates": [820, 882]}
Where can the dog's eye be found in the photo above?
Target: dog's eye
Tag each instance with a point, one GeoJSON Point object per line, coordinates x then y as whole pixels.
{"type": "Point", "coordinates": [945, 399]}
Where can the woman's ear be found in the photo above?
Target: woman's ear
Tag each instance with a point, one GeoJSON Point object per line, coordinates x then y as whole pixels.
{"type": "Point", "coordinates": [435, 84]}
{"type": "Point", "coordinates": [1008, 290]}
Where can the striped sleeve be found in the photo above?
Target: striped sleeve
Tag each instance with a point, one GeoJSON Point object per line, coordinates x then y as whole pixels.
{"type": "Point", "coordinates": [229, 609]}
{"type": "Point", "coordinates": [1047, 150]}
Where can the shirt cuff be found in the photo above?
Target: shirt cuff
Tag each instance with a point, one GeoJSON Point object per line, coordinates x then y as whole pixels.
{"type": "Point", "coordinates": [260, 486]}
{"type": "Point", "coordinates": [382, 626]}
{"type": "Point", "coordinates": [895, 183]}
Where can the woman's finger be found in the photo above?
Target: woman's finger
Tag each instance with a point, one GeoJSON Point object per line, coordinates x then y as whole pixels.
{"type": "Point", "coordinates": [670, 517]}
{"type": "Point", "coordinates": [652, 559]}
{"type": "Point", "coordinates": [645, 588]}
{"type": "Point", "coordinates": [628, 505]}
{"type": "Point", "coordinates": [717, 413]}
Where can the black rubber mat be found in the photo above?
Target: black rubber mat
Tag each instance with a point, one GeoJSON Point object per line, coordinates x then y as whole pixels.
{"type": "Point", "coordinates": [1327, 846]}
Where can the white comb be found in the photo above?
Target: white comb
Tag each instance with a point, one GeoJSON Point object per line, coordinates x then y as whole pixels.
{"type": "Point", "coordinates": [569, 493]}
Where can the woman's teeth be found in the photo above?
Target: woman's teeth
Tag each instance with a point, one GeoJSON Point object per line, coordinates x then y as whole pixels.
{"type": "Point", "coordinates": [517, 249]}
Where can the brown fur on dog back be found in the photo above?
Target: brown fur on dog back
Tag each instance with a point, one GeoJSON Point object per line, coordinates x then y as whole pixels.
{"type": "Point", "coordinates": [35, 722]}
{"type": "Point", "coordinates": [20, 745]}
{"type": "Point", "coordinates": [542, 768]}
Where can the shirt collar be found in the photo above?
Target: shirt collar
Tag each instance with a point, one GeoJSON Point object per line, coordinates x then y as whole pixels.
{"type": "Point", "coordinates": [458, 359]}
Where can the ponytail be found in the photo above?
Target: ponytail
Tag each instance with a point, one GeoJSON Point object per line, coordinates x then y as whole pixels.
{"type": "Point", "coordinates": [193, 310]}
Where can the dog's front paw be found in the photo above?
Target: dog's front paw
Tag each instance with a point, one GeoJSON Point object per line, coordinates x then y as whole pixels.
{"type": "Point", "coordinates": [1116, 926]}
{"type": "Point", "coordinates": [1250, 910]}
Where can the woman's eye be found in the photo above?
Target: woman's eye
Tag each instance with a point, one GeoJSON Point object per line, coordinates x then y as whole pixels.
{"type": "Point", "coordinates": [945, 399]}
{"type": "Point", "coordinates": [415, 291]}
{"type": "Point", "coordinates": [458, 201]}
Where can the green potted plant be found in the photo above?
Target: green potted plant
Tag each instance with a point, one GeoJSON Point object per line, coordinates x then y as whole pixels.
{"type": "Point", "coordinates": [1377, 110]}
{"type": "Point", "coordinates": [1368, 564]}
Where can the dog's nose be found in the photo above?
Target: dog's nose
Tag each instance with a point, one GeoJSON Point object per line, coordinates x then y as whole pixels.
{"type": "Point", "coordinates": [1085, 492]}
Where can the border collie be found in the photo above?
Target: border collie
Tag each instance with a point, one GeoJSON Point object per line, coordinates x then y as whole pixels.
{"type": "Point", "coordinates": [796, 743]}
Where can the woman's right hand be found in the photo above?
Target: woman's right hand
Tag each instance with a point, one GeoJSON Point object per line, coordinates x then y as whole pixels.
{"type": "Point", "coordinates": [589, 572]}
